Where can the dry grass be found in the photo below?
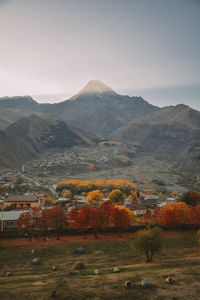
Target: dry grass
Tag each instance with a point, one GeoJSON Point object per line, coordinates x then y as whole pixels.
{"type": "Point", "coordinates": [179, 258]}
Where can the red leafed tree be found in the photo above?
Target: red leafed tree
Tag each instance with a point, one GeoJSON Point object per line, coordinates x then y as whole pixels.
{"type": "Point", "coordinates": [58, 220]}
{"type": "Point", "coordinates": [120, 218]}
{"type": "Point", "coordinates": [106, 208]}
{"type": "Point", "coordinates": [83, 219]}
{"type": "Point", "coordinates": [150, 218]}
{"type": "Point", "coordinates": [169, 218]}
{"type": "Point", "coordinates": [29, 221]}
{"type": "Point", "coordinates": [194, 215]}
{"type": "Point", "coordinates": [44, 222]}
{"type": "Point", "coordinates": [72, 214]}
{"type": "Point", "coordinates": [95, 220]}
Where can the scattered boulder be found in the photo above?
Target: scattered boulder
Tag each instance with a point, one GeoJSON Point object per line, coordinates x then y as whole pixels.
{"type": "Point", "coordinates": [78, 266]}
{"type": "Point", "coordinates": [170, 280]}
{"type": "Point", "coordinates": [53, 268]}
{"type": "Point", "coordinates": [53, 294]}
{"type": "Point", "coordinates": [96, 272]}
{"type": "Point", "coordinates": [146, 283]}
{"type": "Point", "coordinates": [128, 284]}
{"type": "Point", "coordinates": [35, 261]}
{"type": "Point", "coordinates": [8, 274]}
{"type": "Point", "coordinates": [116, 270]}
{"type": "Point", "coordinates": [79, 250]}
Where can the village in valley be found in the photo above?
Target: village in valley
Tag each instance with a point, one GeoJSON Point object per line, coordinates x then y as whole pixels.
{"type": "Point", "coordinates": [17, 197]}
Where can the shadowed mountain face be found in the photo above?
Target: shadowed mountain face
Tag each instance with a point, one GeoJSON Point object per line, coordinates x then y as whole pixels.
{"type": "Point", "coordinates": [173, 131]}
{"type": "Point", "coordinates": [13, 150]}
{"type": "Point", "coordinates": [44, 133]}
{"type": "Point", "coordinates": [95, 108]}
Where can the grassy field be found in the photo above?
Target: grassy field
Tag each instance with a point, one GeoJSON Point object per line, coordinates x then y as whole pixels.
{"type": "Point", "coordinates": [179, 258]}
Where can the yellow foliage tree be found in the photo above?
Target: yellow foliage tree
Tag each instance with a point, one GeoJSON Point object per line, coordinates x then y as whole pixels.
{"type": "Point", "coordinates": [133, 196]}
{"type": "Point", "coordinates": [94, 197]}
{"type": "Point", "coordinates": [116, 196]}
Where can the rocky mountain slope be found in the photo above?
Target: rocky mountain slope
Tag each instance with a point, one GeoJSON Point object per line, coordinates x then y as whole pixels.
{"type": "Point", "coordinates": [13, 150]}
{"type": "Point", "coordinates": [172, 131]}
{"type": "Point", "coordinates": [95, 108]}
{"type": "Point", "coordinates": [44, 133]}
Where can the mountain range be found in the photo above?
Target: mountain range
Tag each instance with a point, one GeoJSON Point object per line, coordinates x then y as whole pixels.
{"type": "Point", "coordinates": [101, 113]}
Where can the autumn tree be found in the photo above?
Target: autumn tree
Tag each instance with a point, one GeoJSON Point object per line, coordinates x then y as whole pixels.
{"type": "Point", "coordinates": [28, 222]}
{"type": "Point", "coordinates": [95, 220]}
{"type": "Point", "coordinates": [58, 220]}
{"type": "Point", "coordinates": [133, 196]}
{"type": "Point", "coordinates": [148, 242]}
{"type": "Point", "coordinates": [190, 198]}
{"type": "Point", "coordinates": [173, 214]}
{"type": "Point", "coordinates": [44, 222]}
{"type": "Point", "coordinates": [94, 197]}
{"type": "Point", "coordinates": [169, 217]}
{"type": "Point", "coordinates": [72, 215]}
{"type": "Point", "coordinates": [83, 220]}
{"type": "Point", "coordinates": [120, 219]}
{"type": "Point", "coordinates": [106, 209]}
{"type": "Point", "coordinates": [150, 218]}
{"type": "Point", "coordinates": [194, 215]}
{"type": "Point", "coordinates": [117, 196]}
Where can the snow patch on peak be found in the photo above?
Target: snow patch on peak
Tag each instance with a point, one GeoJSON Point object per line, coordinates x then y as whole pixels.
{"type": "Point", "coordinates": [96, 87]}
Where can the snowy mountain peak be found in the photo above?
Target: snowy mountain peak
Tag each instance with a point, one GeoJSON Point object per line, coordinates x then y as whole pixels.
{"type": "Point", "coordinates": [96, 87]}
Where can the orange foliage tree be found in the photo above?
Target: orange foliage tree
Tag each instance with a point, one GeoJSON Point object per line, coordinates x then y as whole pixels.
{"type": "Point", "coordinates": [173, 214]}
{"type": "Point", "coordinates": [94, 197]}
{"type": "Point", "coordinates": [106, 209]}
{"type": "Point", "coordinates": [58, 220]}
{"type": "Point", "coordinates": [150, 218]}
{"type": "Point", "coordinates": [28, 222]}
{"type": "Point", "coordinates": [194, 215]}
{"type": "Point", "coordinates": [83, 219]}
{"type": "Point", "coordinates": [121, 219]}
{"type": "Point", "coordinates": [71, 216]}
{"type": "Point", "coordinates": [44, 222]}
{"type": "Point", "coordinates": [95, 220]}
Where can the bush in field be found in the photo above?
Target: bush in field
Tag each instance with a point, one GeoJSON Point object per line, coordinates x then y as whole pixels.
{"type": "Point", "coordinates": [148, 242]}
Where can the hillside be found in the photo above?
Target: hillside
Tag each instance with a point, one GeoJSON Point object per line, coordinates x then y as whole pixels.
{"type": "Point", "coordinates": [13, 150]}
{"type": "Point", "coordinates": [173, 130]}
{"type": "Point", "coordinates": [44, 133]}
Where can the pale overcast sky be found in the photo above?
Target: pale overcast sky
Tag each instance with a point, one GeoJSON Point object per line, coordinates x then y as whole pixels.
{"type": "Point", "coordinates": [143, 47]}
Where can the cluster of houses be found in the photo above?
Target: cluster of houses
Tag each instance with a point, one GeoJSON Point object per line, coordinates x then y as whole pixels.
{"type": "Point", "coordinates": [13, 205]}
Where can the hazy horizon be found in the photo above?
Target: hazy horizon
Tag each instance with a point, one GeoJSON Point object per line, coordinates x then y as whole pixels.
{"type": "Point", "coordinates": [142, 48]}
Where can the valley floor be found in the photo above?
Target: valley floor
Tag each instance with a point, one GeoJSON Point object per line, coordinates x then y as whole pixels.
{"type": "Point", "coordinates": [179, 258]}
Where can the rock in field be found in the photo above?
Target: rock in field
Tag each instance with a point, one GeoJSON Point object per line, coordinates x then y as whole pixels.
{"type": "Point", "coordinates": [53, 294]}
{"type": "Point", "coordinates": [35, 261]}
{"type": "Point", "coordinates": [78, 266]}
{"type": "Point", "coordinates": [116, 270]}
{"type": "Point", "coordinates": [79, 250]}
{"type": "Point", "coordinates": [128, 284]}
{"type": "Point", "coordinates": [170, 280]}
{"type": "Point", "coordinates": [146, 283]}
